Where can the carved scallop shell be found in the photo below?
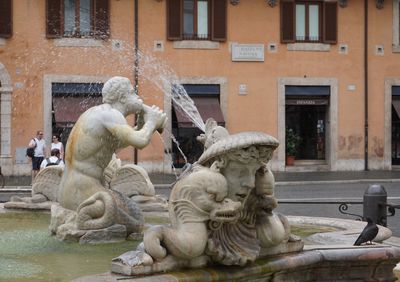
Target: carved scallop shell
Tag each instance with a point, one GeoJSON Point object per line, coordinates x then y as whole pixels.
{"type": "Point", "coordinates": [132, 180]}
{"type": "Point", "coordinates": [236, 142]}
{"type": "Point", "coordinates": [47, 182]}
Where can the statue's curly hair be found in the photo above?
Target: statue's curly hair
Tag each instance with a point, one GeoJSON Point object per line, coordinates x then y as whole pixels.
{"type": "Point", "coordinates": [115, 89]}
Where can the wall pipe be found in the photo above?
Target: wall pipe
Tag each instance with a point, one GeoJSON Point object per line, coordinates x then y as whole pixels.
{"type": "Point", "coordinates": [136, 64]}
{"type": "Point", "coordinates": [366, 85]}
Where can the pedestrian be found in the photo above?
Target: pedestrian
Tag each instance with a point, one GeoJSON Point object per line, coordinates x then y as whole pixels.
{"type": "Point", "coordinates": [56, 144]}
{"type": "Point", "coordinates": [40, 146]}
{"type": "Point", "coordinates": [54, 159]}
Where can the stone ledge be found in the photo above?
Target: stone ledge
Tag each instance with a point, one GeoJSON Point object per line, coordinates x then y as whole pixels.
{"type": "Point", "coordinates": [309, 47]}
{"type": "Point", "coordinates": [337, 264]}
{"type": "Point", "coordinates": [196, 44]}
{"type": "Point", "coordinates": [77, 42]}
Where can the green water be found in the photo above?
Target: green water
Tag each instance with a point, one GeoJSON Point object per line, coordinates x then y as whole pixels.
{"type": "Point", "coordinates": [29, 253]}
{"type": "Point", "coordinates": [304, 230]}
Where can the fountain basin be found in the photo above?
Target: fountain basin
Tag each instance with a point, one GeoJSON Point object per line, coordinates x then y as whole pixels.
{"type": "Point", "coordinates": [30, 253]}
{"type": "Point", "coordinates": [337, 263]}
{"type": "Point", "coordinates": [326, 256]}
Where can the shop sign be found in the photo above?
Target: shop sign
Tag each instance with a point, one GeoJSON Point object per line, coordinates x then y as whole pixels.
{"type": "Point", "coordinates": [248, 52]}
{"type": "Point", "coordinates": [306, 102]}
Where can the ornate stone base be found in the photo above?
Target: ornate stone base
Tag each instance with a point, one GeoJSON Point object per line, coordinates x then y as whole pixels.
{"type": "Point", "coordinates": [63, 226]}
{"type": "Point", "coordinates": [366, 263]}
{"type": "Point", "coordinates": [134, 263]}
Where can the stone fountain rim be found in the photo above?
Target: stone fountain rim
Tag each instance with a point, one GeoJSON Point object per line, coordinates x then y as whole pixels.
{"type": "Point", "coordinates": [346, 227]}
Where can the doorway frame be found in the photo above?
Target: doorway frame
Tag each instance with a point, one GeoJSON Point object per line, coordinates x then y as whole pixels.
{"type": "Point", "coordinates": [6, 91]}
{"type": "Point", "coordinates": [331, 126]}
{"type": "Point", "coordinates": [387, 153]}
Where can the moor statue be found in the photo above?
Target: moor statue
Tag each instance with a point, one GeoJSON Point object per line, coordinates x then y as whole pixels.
{"type": "Point", "coordinates": [91, 172]}
{"type": "Point", "coordinates": [221, 209]}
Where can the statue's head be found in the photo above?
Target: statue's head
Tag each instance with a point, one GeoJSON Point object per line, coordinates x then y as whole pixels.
{"type": "Point", "coordinates": [238, 157]}
{"type": "Point", "coordinates": [120, 89]}
{"type": "Point", "coordinates": [115, 88]}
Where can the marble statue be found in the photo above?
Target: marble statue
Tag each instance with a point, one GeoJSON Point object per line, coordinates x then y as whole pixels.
{"type": "Point", "coordinates": [196, 200]}
{"type": "Point", "coordinates": [232, 177]}
{"type": "Point", "coordinates": [90, 174]}
{"type": "Point", "coordinates": [98, 133]}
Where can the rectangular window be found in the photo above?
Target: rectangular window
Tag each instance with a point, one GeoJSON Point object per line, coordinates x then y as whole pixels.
{"type": "Point", "coordinates": [196, 19]}
{"type": "Point", "coordinates": [300, 22]}
{"type": "Point", "coordinates": [308, 21]}
{"type": "Point", "coordinates": [85, 12]}
{"type": "Point", "coordinates": [77, 18]}
{"type": "Point", "coordinates": [202, 19]}
{"type": "Point", "coordinates": [313, 22]}
{"type": "Point", "coordinates": [188, 18]}
{"type": "Point", "coordinates": [396, 27]}
{"type": "Point", "coordinates": [5, 18]}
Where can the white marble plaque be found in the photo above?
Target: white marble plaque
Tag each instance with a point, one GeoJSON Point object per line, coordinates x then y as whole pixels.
{"type": "Point", "coordinates": [248, 52]}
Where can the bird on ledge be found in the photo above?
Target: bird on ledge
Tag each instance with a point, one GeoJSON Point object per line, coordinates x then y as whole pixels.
{"type": "Point", "coordinates": [368, 234]}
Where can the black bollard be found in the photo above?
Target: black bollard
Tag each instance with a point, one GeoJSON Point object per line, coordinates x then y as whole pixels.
{"type": "Point", "coordinates": [375, 200]}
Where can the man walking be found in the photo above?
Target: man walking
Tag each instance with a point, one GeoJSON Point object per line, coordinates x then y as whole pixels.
{"type": "Point", "coordinates": [40, 146]}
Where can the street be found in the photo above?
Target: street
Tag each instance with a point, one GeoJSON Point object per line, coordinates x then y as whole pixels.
{"type": "Point", "coordinates": [334, 192]}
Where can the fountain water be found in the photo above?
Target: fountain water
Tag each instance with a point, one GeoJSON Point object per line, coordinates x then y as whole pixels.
{"type": "Point", "coordinates": [166, 80]}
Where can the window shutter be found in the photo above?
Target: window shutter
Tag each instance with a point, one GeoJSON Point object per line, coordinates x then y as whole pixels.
{"type": "Point", "coordinates": [174, 19]}
{"type": "Point", "coordinates": [287, 21]}
{"type": "Point", "coordinates": [330, 22]}
{"type": "Point", "coordinates": [218, 21]}
{"type": "Point", "coordinates": [53, 19]}
{"type": "Point", "coordinates": [5, 18]}
{"type": "Point", "coordinates": [101, 19]}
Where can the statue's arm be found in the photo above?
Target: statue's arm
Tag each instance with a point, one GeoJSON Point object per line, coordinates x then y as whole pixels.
{"type": "Point", "coordinates": [153, 119]}
{"type": "Point", "coordinates": [129, 136]}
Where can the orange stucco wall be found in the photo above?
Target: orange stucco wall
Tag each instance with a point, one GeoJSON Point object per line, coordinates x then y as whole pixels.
{"type": "Point", "coordinates": [28, 57]}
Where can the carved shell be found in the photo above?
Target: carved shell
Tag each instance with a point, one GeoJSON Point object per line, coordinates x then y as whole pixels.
{"type": "Point", "coordinates": [237, 141]}
{"type": "Point", "coordinates": [110, 171]}
{"type": "Point", "coordinates": [47, 182]}
{"type": "Point", "coordinates": [132, 180]}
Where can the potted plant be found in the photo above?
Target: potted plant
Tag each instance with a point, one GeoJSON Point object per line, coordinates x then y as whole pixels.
{"type": "Point", "coordinates": [292, 142]}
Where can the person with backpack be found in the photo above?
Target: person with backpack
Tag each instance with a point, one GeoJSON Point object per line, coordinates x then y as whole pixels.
{"type": "Point", "coordinates": [39, 144]}
{"type": "Point", "coordinates": [54, 159]}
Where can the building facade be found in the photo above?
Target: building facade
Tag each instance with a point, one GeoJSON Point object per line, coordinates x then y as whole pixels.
{"type": "Point", "coordinates": [327, 70]}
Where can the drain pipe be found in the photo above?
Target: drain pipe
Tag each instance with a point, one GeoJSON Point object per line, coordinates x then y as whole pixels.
{"type": "Point", "coordinates": [366, 84]}
{"type": "Point", "coordinates": [136, 67]}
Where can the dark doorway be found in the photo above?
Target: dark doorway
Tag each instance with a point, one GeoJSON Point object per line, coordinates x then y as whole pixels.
{"type": "Point", "coordinates": [395, 132]}
{"type": "Point", "coordinates": [69, 101]}
{"type": "Point", "coordinates": [309, 122]}
{"type": "Point", "coordinates": [206, 99]}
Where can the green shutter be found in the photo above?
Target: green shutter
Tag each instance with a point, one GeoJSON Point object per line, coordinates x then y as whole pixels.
{"type": "Point", "coordinates": [174, 19]}
{"type": "Point", "coordinates": [330, 22]}
{"type": "Point", "coordinates": [53, 19]}
{"type": "Point", "coordinates": [218, 20]}
{"type": "Point", "coordinates": [287, 21]}
{"type": "Point", "coordinates": [101, 19]}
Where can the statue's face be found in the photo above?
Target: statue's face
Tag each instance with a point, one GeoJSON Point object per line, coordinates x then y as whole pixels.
{"type": "Point", "coordinates": [134, 103]}
{"type": "Point", "coordinates": [241, 178]}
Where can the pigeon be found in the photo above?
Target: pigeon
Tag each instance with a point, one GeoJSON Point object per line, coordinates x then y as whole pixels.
{"type": "Point", "coordinates": [368, 234]}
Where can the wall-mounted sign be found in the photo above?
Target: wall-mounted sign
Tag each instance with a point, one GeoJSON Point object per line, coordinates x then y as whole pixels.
{"type": "Point", "coordinates": [248, 52]}
{"type": "Point", "coordinates": [306, 102]}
